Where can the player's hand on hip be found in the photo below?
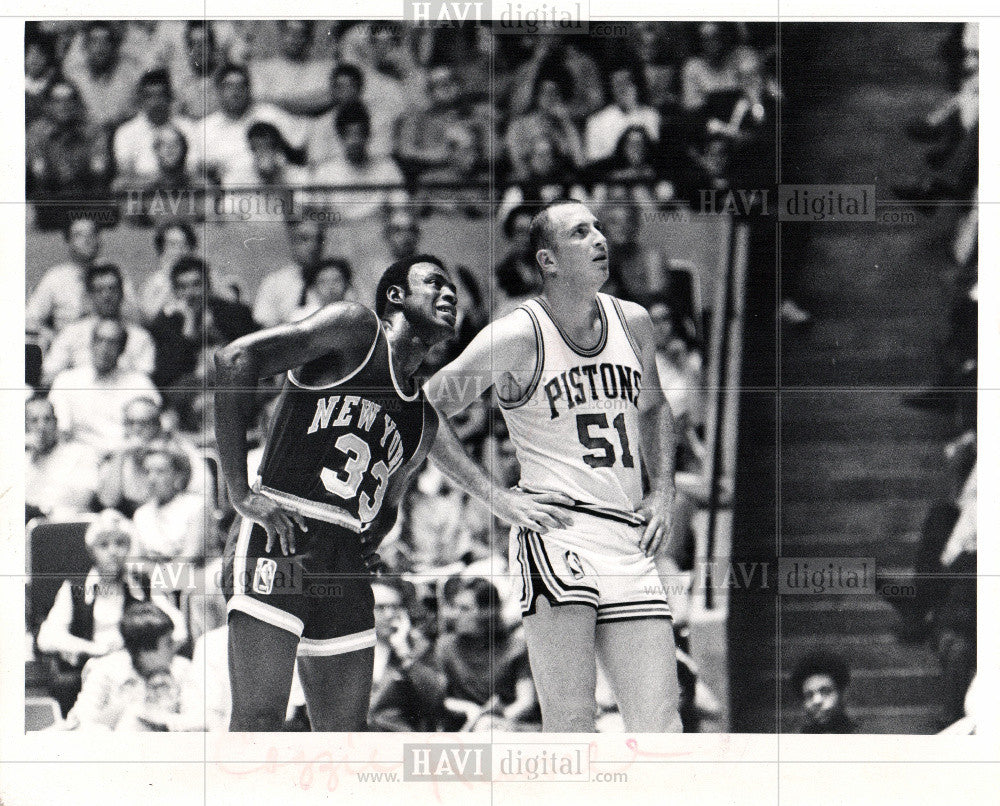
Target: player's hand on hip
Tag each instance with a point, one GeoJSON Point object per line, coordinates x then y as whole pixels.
{"type": "Point", "coordinates": [277, 522]}
{"type": "Point", "coordinates": [657, 509]}
{"type": "Point", "coordinates": [538, 512]}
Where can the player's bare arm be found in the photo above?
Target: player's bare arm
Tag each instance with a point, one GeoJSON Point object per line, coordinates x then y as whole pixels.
{"type": "Point", "coordinates": [502, 355]}
{"type": "Point", "coordinates": [337, 334]}
{"type": "Point", "coordinates": [656, 424]}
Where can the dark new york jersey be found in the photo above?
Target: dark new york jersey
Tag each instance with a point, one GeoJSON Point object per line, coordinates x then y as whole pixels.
{"type": "Point", "coordinates": [332, 450]}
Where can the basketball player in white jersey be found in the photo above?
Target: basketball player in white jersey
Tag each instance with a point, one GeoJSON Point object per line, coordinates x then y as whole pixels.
{"type": "Point", "coordinates": [575, 376]}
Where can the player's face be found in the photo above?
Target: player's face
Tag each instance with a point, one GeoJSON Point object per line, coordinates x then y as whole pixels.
{"type": "Point", "coordinates": [820, 698]}
{"type": "Point", "coordinates": [432, 303]}
{"type": "Point", "coordinates": [110, 550]}
{"type": "Point", "coordinates": [581, 253]}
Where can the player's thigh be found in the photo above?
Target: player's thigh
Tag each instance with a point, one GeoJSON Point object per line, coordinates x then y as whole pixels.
{"type": "Point", "coordinates": [640, 660]}
{"type": "Point", "coordinates": [561, 652]}
{"type": "Point", "coordinates": [337, 689]}
{"type": "Point", "coordinates": [261, 664]}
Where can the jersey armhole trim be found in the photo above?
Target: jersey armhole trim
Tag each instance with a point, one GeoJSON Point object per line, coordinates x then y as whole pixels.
{"type": "Point", "coordinates": [525, 396]}
{"type": "Point", "coordinates": [357, 369]}
{"type": "Point", "coordinates": [628, 331]}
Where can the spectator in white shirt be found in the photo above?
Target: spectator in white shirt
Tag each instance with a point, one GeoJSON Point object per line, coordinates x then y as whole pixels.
{"type": "Point", "coordinates": [280, 291]}
{"type": "Point", "coordinates": [358, 167]}
{"type": "Point", "coordinates": [61, 295]}
{"type": "Point", "coordinates": [171, 525]}
{"type": "Point", "coordinates": [628, 109]}
{"type": "Point", "coordinates": [88, 399]}
{"type": "Point", "coordinates": [227, 151]}
{"type": "Point", "coordinates": [60, 475]}
{"type": "Point", "coordinates": [135, 157]}
{"type": "Point", "coordinates": [143, 687]}
{"type": "Point", "coordinates": [71, 348]}
{"type": "Point", "coordinates": [290, 79]}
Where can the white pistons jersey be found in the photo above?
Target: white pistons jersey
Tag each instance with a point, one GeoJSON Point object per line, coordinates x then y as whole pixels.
{"type": "Point", "coordinates": [576, 427]}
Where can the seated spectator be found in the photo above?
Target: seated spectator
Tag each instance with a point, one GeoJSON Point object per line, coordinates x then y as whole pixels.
{"type": "Point", "coordinates": [172, 241]}
{"type": "Point", "coordinates": [143, 687]}
{"type": "Point", "coordinates": [227, 150]}
{"type": "Point", "coordinates": [488, 680]}
{"type": "Point", "coordinates": [659, 47]}
{"type": "Point", "coordinates": [71, 347]}
{"type": "Point", "coordinates": [198, 320]}
{"type": "Point", "coordinates": [171, 524]}
{"type": "Point", "coordinates": [61, 295]}
{"type": "Point", "coordinates": [422, 142]}
{"type": "Point", "coordinates": [464, 181]}
{"type": "Point", "coordinates": [60, 475]}
{"type": "Point", "coordinates": [548, 118]}
{"type": "Point", "coordinates": [518, 275]}
{"type": "Point", "coordinates": [41, 68]}
{"type": "Point", "coordinates": [134, 141]}
{"type": "Point", "coordinates": [346, 84]}
{"type": "Point", "coordinates": [641, 271]}
{"type": "Point", "coordinates": [327, 283]}
{"type": "Point", "coordinates": [559, 54]}
{"type": "Point", "coordinates": [714, 69]}
{"type": "Point", "coordinates": [266, 192]}
{"type": "Point", "coordinates": [88, 399]}
{"type": "Point", "coordinates": [631, 170]}
{"type": "Point", "coordinates": [290, 79]}
{"type": "Point", "coordinates": [550, 176]}
{"type": "Point", "coordinates": [67, 157]}
{"type": "Point", "coordinates": [407, 691]}
{"type": "Point", "coordinates": [122, 480]}
{"type": "Point", "coordinates": [171, 194]}
{"type": "Point", "coordinates": [744, 111]}
{"type": "Point", "coordinates": [193, 71]}
{"type": "Point", "coordinates": [820, 682]}
{"type": "Point", "coordinates": [84, 619]}
{"type": "Point", "coordinates": [627, 109]}
{"type": "Point", "coordinates": [281, 290]}
{"type": "Point", "coordinates": [108, 78]}
{"type": "Point", "coordinates": [358, 167]}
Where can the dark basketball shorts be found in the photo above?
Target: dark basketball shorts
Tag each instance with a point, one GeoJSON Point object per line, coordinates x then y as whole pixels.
{"type": "Point", "coordinates": [322, 593]}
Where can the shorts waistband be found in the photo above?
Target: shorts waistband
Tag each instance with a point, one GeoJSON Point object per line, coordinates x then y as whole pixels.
{"type": "Point", "coordinates": [313, 509]}
{"type": "Point", "coordinates": [597, 510]}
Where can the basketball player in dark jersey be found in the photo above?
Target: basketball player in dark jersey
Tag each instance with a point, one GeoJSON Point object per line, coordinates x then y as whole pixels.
{"type": "Point", "coordinates": [351, 426]}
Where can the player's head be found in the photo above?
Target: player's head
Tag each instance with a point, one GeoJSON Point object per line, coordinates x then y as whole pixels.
{"type": "Point", "coordinates": [146, 632]}
{"type": "Point", "coordinates": [820, 680]}
{"type": "Point", "coordinates": [421, 288]}
{"type": "Point", "coordinates": [107, 343]}
{"type": "Point", "coordinates": [569, 245]}
{"type": "Point", "coordinates": [109, 541]}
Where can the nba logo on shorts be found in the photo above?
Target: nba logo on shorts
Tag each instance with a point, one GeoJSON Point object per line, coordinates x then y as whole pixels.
{"type": "Point", "coordinates": [574, 565]}
{"type": "Point", "coordinates": [263, 577]}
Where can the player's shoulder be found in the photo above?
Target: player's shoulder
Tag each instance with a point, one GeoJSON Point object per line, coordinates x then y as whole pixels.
{"type": "Point", "coordinates": [633, 312]}
{"type": "Point", "coordinates": [352, 318]}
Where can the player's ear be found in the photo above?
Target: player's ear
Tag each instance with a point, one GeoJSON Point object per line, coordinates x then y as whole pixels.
{"type": "Point", "coordinates": [396, 294]}
{"type": "Point", "coordinates": [545, 259]}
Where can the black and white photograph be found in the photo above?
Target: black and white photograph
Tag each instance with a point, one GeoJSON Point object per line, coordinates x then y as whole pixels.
{"type": "Point", "coordinates": [574, 378]}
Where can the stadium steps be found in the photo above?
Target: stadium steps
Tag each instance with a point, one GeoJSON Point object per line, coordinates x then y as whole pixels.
{"type": "Point", "coordinates": [858, 468]}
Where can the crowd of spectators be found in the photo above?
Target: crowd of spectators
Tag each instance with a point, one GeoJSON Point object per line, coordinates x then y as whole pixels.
{"type": "Point", "coordinates": [384, 122]}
